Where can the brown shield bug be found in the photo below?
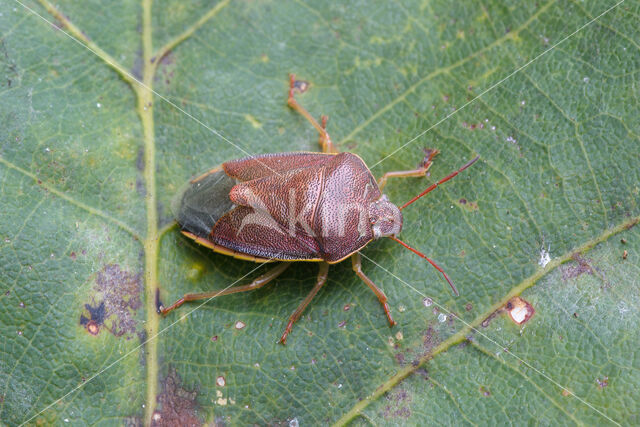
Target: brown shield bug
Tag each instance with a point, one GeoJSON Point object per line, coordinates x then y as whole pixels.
{"type": "Point", "coordinates": [299, 206]}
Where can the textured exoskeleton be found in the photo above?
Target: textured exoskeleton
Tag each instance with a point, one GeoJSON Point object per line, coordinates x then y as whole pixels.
{"type": "Point", "coordinates": [297, 206]}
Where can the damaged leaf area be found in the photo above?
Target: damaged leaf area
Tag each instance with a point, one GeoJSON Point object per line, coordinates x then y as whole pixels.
{"type": "Point", "coordinates": [539, 237]}
{"type": "Point", "coordinates": [117, 293]}
{"type": "Point", "coordinates": [176, 405]}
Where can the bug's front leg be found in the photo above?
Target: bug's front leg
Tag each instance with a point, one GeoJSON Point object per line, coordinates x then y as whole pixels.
{"type": "Point", "coordinates": [323, 273]}
{"type": "Point", "coordinates": [430, 153]}
{"type": "Point", "coordinates": [324, 138]}
{"type": "Point", "coordinates": [356, 262]}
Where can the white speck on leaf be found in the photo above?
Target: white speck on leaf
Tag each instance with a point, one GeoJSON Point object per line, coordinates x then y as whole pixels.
{"type": "Point", "coordinates": [98, 105]}
{"type": "Point", "coordinates": [545, 257]}
{"type": "Point", "coordinates": [519, 314]}
{"type": "Point", "coordinates": [294, 422]}
{"type": "Point", "coordinates": [427, 302]}
{"type": "Point", "coordinates": [442, 317]}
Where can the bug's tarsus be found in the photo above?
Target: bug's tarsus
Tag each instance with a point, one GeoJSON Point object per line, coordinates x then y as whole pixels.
{"type": "Point", "coordinates": [159, 305]}
{"type": "Point", "coordinates": [324, 138]}
{"type": "Point", "coordinates": [443, 180]}
{"type": "Point", "coordinates": [420, 171]}
{"type": "Point", "coordinates": [436, 266]}
{"type": "Point", "coordinates": [165, 310]}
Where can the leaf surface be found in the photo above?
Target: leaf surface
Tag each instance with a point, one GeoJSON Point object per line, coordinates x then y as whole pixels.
{"type": "Point", "coordinates": [90, 159]}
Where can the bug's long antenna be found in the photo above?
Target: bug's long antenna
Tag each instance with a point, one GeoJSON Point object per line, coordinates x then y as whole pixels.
{"type": "Point", "coordinates": [436, 266]}
{"type": "Point", "coordinates": [445, 179]}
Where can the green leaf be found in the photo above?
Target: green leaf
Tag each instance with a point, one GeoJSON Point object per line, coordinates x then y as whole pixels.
{"type": "Point", "coordinates": [90, 159]}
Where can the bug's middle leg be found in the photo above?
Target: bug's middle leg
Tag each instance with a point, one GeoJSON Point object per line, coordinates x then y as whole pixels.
{"type": "Point", "coordinates": [256, 284]}
{"type": "Point", "coordinates": [356, 262]}
{"type": "Point", "coordinates": [323, 272]}
{"type": "Point", "coordinates": [418, 172]}
{"type": "Point", "coordinates": [324, 138]}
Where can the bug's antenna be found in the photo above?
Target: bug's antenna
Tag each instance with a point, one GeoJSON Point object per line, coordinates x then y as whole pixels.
{"type": "Point", "coordinates": [436, 266]}
{"type": "Point", "coordinates": [433, 186]}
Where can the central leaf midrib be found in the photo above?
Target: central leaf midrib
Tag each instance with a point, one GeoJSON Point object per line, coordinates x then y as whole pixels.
{"type": "Point", "coordinates": [145, 111]}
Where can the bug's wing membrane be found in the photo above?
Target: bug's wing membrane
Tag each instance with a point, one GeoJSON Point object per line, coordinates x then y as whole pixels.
{"type": "Point", "coordinates": [274, 217]}
{"type": "Point", "coordinates": [257, 167]}
{"type": "Point", "coordinates": [199, 205]}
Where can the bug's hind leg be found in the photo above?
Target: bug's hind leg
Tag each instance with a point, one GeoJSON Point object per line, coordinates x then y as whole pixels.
{"type": "Point", "coordinates": [430, 153]}
{"type": "Point", "coordinates": [324, 138]}
{"type": "Point", "coordinates": [356, 262]}
{"type": "Point", "coordinates": [256, 284]}
{"type": "Point", "coordinates": [323, 272]}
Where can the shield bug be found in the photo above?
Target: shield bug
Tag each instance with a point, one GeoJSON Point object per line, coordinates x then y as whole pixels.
{"type": "Point", "coordinates": [299, 206]}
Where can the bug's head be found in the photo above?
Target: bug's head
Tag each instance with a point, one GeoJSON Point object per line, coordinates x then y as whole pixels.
{"type": "Point", "coordinates": [382, 212]}
{"type": "Point", "coordinates": [385, 218]}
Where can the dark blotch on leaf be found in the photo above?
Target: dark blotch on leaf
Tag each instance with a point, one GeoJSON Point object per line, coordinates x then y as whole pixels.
{"type": "Point", "coordinates": [140, 159]}
{"type": "Point", "coordinates": [176, 405]}
{"type": "Point", "coordinates": [577, 268]}
{"type": "Point", "coordinates": [397, 407]}
{"type": "Point", "coordinates": [118, 293]}
{"type": "Point", "coordinates": [95, 320]}
{"type": "Point", "coordinates": [140, 187]}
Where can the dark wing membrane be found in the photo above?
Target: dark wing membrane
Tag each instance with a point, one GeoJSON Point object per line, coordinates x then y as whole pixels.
{"type": "Point", "coordinates": [256, 167]}
{"type": "Point", "coordinates": [199, 205]}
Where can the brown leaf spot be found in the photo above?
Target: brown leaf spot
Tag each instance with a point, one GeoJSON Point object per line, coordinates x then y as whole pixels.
{"type": "Point", "coordinates": [119, 294]}
{"type": "Point", "coordinates": [577, 268]}
{"type": "Point", "coordinates": [468, 205]}
{"type": "Point", "coordinates": [602, 383]}
{"type": "Point", "coordinates": [95, 319]}
{"type": "Point", "coordinates": [397, 404]}
{"type": "Point", "coordinates": [177, 406]}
